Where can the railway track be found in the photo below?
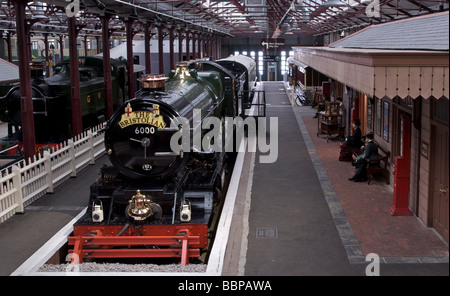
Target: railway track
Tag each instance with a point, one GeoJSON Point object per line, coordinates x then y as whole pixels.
{"type": "Point", "coordinates": [51, 258]}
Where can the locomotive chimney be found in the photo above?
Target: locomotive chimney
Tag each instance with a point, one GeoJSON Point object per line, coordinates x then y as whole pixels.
{"type": "Point", "coordinates": [37, 71]}
{"type": "Point", "coordinates": [154, 82]}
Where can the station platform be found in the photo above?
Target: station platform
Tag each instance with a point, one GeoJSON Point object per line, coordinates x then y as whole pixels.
{"type": "Point", "coordinates": [298, 216]}
{"type": "Point", "coordinates": [301, 215]}
{"type": "Point", "coordinates": [24, 234]}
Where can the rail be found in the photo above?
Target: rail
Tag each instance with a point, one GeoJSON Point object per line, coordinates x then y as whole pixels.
{"type": "Point", "coordinates": [24, 182]}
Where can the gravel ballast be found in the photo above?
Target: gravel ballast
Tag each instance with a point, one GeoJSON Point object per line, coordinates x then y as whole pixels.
{"type": "Point", "coordinates": [118, 267]}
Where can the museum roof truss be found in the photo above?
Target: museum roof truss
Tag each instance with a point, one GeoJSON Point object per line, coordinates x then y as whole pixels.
{"type": "Point", "coordinates": [268, 18]}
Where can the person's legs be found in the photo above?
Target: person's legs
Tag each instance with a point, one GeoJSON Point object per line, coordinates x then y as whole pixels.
{"type": "Point", "coordinates": [360, 171]}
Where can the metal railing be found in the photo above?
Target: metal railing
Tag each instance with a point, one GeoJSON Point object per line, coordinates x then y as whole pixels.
{"type": "Point", "coordinates": [256, 105]}
{"type": "Point", "coordinates": [24, 182]}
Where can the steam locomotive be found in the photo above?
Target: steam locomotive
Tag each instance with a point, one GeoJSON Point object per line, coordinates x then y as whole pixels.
{"type": "Point", "coordinates": [152, 190]}
{"type": "Point", "coordinates": [52, 103]}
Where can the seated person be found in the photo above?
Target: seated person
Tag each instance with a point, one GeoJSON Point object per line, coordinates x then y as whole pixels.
{"type": "Point", "coordinates": [352, 142]}
{"type": "Point", "coordinates": [355, 140]}
{"type": "Point", "coordinates": [370, 152]}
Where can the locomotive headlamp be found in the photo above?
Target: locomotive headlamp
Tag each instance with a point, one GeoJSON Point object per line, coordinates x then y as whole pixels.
{"type": "Point", "coordinates": [185, 211]}
{"type": "Point", "coordinates": [139, 207]}
{"type": "Point", "coordinates": [97, 211]}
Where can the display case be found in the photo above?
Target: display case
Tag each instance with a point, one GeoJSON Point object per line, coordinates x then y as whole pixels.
{"type": "Point", "coordinates": [328, 120]}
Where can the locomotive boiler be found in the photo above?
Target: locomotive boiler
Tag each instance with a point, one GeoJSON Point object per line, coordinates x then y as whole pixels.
{"type": "Point", "coordinates": [152, 190]}
{"type": "Point", "coordinates": [52, 103]}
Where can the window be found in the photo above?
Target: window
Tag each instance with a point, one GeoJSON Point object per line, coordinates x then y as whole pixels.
{"type": "Point", "coordinates": [369, 114]}
{"type": "Point", "coordinates": [440, 109]}
{"type": "Point", "coordinates": [386, 121]}
{"type": "Point", "coordinates": [34, 45]}
{"type": "Point", "coordinates": [260, 63]}
{"type": "Point", "coordinates": [52, 44]}
{"type": "Point", "coordinates": [283, 63]}
{"type": "Point", "coordinates": [382, 108]}
{"type": "Point", "coordinates": [378, 117]}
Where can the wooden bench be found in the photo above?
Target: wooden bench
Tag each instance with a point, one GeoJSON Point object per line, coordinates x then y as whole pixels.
{"type": "Point", "coordinates": [356, 151]}
{"type": "Point", "coordinates": [379, 165]}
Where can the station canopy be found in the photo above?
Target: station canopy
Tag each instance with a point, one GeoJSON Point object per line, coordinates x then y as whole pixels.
{"type": "Point", "coordinates": [221, 17]}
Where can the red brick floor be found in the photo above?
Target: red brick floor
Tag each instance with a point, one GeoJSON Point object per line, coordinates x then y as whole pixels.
{"type": "Point", "coordinates": [367, 209]}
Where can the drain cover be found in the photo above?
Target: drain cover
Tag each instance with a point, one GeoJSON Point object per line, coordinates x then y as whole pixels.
{"type": "Point", "coordinates": [266, 233]}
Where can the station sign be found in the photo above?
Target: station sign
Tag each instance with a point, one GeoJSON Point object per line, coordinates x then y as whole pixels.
{"type": "Point", "coordinates": [272, 44]}
{"type": "Point", "coordinates": [271, 58]}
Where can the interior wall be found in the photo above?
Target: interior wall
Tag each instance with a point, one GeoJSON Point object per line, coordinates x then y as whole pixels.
{"type": "Point", "coordinates": [253, 43]}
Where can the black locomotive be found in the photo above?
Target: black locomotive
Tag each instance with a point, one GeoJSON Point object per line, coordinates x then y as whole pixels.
{"type": "Point", "coordinates": [51, 98]}
{"type": "Point", "coordinates": [152, 188]}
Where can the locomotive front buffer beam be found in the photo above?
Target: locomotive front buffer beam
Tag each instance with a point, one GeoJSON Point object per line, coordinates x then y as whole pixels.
{"type": "Point", "coordinates": [97, 245]}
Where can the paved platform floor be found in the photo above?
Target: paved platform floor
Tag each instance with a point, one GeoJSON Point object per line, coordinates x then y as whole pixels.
{"type": "Point", "coordinates": [399, 238]}
{"type": "Point", "coordinates": [23, 234]}
{"type": "Point", "coordinates": [301, 215]}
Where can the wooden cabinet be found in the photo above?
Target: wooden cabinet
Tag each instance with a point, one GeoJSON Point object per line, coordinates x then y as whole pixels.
{"type": "Point", "coordinates": [328, 120]}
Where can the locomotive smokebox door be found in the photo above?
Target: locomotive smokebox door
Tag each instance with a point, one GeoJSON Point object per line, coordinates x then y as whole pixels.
{"type": "Point", "coordinates": [138, 142]}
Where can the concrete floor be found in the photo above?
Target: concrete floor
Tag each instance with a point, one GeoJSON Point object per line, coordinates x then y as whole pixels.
{"type": "Point", "coordinates": [306, 218]}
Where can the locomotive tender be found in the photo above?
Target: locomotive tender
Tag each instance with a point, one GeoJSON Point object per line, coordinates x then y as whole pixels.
{"type": "Point", "coordinates": [152, 190]}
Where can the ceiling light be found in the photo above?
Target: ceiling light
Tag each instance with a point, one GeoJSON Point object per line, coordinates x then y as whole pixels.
{"type": "Point", "coordinates": [39, 17]}
{"type": "Point", "coordinates": [333, 3]}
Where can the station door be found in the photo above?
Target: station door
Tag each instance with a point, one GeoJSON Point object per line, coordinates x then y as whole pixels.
{"type": "Point", "coordinates": [440, 176]}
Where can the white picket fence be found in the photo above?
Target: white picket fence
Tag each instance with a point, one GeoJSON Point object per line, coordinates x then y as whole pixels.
{"type": "Point", "coordinates": [21, 184]}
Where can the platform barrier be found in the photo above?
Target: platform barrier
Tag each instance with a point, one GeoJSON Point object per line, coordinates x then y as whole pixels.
{"type": "Point", "coordinates": [26, 181]}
